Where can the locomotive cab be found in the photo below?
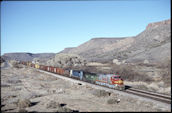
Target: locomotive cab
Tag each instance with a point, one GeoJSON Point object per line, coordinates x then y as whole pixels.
{"type": "Point", "coordinates": [117, 81]}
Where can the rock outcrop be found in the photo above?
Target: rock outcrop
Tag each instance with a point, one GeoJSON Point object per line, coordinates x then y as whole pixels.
{"type": "Point", "coordinates": [66, 60]}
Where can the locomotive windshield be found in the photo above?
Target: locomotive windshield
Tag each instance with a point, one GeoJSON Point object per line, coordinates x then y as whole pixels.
{"type": "Point", "coordinates": [116, 77]}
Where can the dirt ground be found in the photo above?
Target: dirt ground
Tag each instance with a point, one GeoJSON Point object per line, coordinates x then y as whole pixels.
{"type": "Point", "coordinates": [26, 89]}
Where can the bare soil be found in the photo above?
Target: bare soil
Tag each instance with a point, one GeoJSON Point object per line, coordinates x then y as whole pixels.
{"type": "Point", "coordinates": [26, 89]}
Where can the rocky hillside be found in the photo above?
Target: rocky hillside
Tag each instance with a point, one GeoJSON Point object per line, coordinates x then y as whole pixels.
{"type": "Point", "coordinates": [27, 56]}
{"type": "Point", "coordinates": [91, 49]}
{"type": "Point", "coordinates": [152, 45]}
{"type": "Point", "coordinates": [66, 60]}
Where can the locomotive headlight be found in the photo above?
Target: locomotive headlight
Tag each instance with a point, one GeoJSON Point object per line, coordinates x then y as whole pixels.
{"type": "Point", "coordinates": [121, 82]}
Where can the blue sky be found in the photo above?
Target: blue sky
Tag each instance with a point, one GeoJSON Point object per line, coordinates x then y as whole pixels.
{"type": "Point", "coordinates": [51, 26]}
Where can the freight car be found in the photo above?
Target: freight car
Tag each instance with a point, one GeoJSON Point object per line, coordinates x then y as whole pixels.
{"type": "Point", "coordinates": [109, 80]}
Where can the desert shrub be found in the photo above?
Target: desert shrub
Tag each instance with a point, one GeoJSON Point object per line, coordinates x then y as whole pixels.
{"type": "Point", "coordinates": [16, 65]}
{"type": "Point", "coordinates": [165, 64]}
{"type": "Point", "coordinates": [64, 109]}
{"type": "Point", "coordinates": [53, 104]}
{"type": "Point", "coordinates": [127, 73]}
{"type": "Point", "coordinates": [23, 103]}
{"type": "Point", "coordinates": [113, 101]}
{"type": "Point", "coordinates": [59, 107]}
{"type": "Point", "coordinates": [100, 93]}
{"type": "Point", "coordinates": [166, 77]}
{"type": "Point", "coordinates": [23, 110]}
{"type": "Point", "coordinates": [166, 72]}
{"type": "Point", "coordinates": [146, 64]}
{"type": "Point", "coordinates": [14, 81]}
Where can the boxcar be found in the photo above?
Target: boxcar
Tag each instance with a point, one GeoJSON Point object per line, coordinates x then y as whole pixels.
{"type": "Point", "coordinates": [48, 68]}
{"type": "Point", "coordinates": [67, 72]}
{"type": "Point", "coordinates": [55, 70]}
{"type": "Point", "coordinates": [59, 71]}
{"type": "Point", "coordinates": [51, 69]}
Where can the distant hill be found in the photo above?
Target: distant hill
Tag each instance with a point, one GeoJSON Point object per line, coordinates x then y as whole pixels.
{"type": "Point", "coordinates": [27, 56]}
{"type": "Point", "coordinates": [93, 47]}
{"type": "Point", "coordinates": [153, 45]}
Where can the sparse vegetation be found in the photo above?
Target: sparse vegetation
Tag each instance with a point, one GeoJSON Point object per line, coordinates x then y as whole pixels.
{"type": "Point", "coordinates": [113, 101]}
{"type": "Point", "coordinates": [127, 73]}
{"type": "Point", "coordinates": [100, 93]}
{"type": "Point", "coordinates": [23, 103]}
{"type": "Point", "coordinates": [76, 96]}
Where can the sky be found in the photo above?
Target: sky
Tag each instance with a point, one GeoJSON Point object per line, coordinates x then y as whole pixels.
{"type": "Point", "coordinates": [51, 26]}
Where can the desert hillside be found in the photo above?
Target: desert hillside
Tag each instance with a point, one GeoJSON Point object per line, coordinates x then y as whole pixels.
{"type": "Point", "coordinates": [153, 45]}
{"type": "Point", "coordinates": [21, 56]}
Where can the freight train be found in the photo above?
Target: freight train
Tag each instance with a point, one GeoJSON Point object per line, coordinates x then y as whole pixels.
{"type": "Point", "coordinates": [109, 80]}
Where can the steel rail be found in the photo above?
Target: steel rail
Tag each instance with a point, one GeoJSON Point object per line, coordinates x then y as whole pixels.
{"type": "Point", "coordinates": [154, 96]}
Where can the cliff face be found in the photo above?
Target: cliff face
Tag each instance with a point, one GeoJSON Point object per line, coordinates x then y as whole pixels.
{"type": "Point", "coordinates": [153, 45]}
{"type": "Point", "coordinates": [157, 24]}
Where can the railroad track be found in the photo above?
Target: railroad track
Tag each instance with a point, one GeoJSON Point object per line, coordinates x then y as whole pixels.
{"type": "Point", "coordinates": [151, 95]}
{"type": "Point", "coordinates": [130, 90]}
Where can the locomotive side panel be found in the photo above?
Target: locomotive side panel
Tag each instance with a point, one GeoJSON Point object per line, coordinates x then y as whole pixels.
{"type": "Point", "coordinates": [76, 74]}
{"type": "Point", "coordinates": [89, 77]}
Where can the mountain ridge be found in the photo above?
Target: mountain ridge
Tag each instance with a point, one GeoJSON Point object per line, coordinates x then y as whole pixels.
{"type": "Point", "coordinates": [127, 48]}
{"type": "Point", "coordinates": [147, 45]}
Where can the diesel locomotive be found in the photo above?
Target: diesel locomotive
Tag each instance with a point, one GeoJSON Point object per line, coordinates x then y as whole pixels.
{"type": "Point", "coordinates": [109, 80]}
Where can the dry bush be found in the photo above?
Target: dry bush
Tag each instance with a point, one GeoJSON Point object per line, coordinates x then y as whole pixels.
{"type": "Point", "coordinates": [113, 101]}
{"type": "Point", "coordinates": [166, 72]}
{"type": "Point", "coordinates": [23, 110]}
{"type": "Point", "coordinates": [16, 65]}
{"type": "Point", "coordinates": [167, 78]}
{"type": "Point", "coordinates": [60, 107]}
{"type": "Point", "coordinates": [14, 81]}
{"type": "Point", "coordinates": [100, 93]}
{"type": "Point", "coordinates": [127, 73]}
{"type": "Point", "coordinates": [165, 64]}
{"type": "Point", "coordinates": [23, 103]}
{"type": "Point", "coordinates": [146, 64]}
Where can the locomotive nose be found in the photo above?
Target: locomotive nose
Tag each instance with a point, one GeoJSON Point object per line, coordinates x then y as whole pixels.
{"type": "Point", "coordinates": [121, 82]}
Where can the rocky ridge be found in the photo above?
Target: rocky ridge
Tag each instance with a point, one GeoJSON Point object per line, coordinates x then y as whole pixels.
{"type": "Point", "coordinates": [152, 45]}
